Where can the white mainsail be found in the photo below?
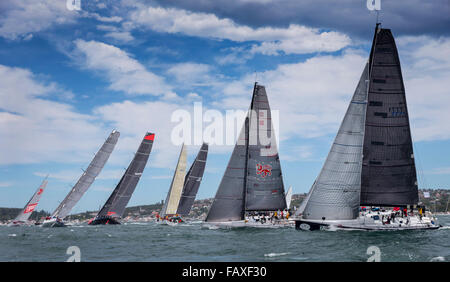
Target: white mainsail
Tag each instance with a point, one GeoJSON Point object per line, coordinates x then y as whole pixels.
{"type": "Point", "coordinates": [32, 204]}
{"type": "Point", "coordinates": [88, 176]}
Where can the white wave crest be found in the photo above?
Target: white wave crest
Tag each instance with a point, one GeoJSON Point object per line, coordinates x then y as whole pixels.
{"type": "Point", "coordinates": [438, 259]}
{"type": "Point", "coordinates": [275, 254]}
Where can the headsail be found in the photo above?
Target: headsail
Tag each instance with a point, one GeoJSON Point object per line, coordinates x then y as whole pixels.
{"type": "Point", "coordinates": [228, 204]}
{"type": "Point", "coordinates": [253, 179]}
{"type": "Point", "coordinates": [302, 206]}
{"type": "Point", "coordinates": [173, 196]}
{"type": "Point", "coordinates": [88, 176]}
{"type": "Point", "coordinates": [192, 181]}
{"type": "Point", "coordinates": [389, 172]}
{"type": "Point", "coordinates": [32, 203]}
{"type": "Point", "coordinates": [289, 197]}
{"type": "Point", "coordinates": [336, 191]}
{"type": "Point", "coordinates": [117, 202]}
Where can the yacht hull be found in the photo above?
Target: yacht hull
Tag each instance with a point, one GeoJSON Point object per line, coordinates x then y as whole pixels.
{"type": "Point", "coordinates": [18, 223]}
{"type": "Point", "coordinates": [413, 223]}
{"type": "Point", "coordinates": [104, 221]}
{"type": "Point", "coordinates": [248, 224]}
{"type": "Point", "coordinates": [53, 223]}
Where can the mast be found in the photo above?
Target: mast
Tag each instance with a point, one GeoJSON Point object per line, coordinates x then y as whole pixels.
{"type": "Point", "coordinates": [117, 202]}
{"type": "Point", "coordinates": [88, 176]}
{"type": "Point", "coordinates": [374, 40]}
{"type": "Point", "coordinates": [192, 181]}
{"type": "Point", "coordinates": [247, 137]}
{"type": "Point", "coordinates": [388, 170]}
{"type": "Point", "coordinates": [26, 212]}
{"type": "Point", "coordinates": [176, 187]}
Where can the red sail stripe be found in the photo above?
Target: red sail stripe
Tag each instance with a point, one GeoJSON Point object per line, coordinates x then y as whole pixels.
{"type": "Point", "coordinates": [30, 208]}
{"type": "Point", "coordinates": [150, 137]}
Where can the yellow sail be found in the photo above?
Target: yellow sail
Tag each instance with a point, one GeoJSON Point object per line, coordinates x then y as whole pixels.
{"type": "Point", "coordinates": [174, 195]}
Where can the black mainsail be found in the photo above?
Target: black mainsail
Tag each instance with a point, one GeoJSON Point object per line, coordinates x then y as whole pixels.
{"type": "Point", "coordinates": [192, 181]}
{"type": "Point", "coordinates": [388, 170]}
{"type": "Point", "coordinates": [252, 180]}
{"type": "Point", "coordinates": [117, 202]}
{"type": "Point", "coordinates": [88, 176]}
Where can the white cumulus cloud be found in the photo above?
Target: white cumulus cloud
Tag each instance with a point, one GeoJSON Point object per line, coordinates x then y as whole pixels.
{"type": "Point", "coordinates": [123, 72]}
{"type": "Point", "coordinates": [294, 39]}
{"type": "Point", "coordinates": [34, 128]}
{"type": "Point", "coordinates": [20, 19]}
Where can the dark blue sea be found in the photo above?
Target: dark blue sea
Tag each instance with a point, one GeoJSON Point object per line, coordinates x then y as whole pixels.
{"type": "Point", "coordinates": [148, 241]}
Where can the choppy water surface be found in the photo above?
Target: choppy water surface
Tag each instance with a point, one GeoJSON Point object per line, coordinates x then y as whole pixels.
{"type": "Point", "coordinates": [191, 242]}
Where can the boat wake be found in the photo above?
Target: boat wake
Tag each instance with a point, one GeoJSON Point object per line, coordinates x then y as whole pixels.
{"type": "Point", "coordinates": [196, 222]}
{"type": "Point", "coordinates": [437, 259]}
{"type": "Point", "coordinates": [138, 223]}
{"type": "Point", "coordinates": [275, 254]}
{"type": "Point", "coordinates": [332, 228]}
{"type": "Point", "coordinates": [210, 227]}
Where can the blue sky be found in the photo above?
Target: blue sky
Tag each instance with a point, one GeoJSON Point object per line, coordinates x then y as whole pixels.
{"type": "Point", "coordinates": [69, 77]}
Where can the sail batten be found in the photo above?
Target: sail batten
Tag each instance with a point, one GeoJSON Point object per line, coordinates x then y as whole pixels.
{"type": "Point", "coordinates": [119, 198]}
{"type": "Point", "coordinates": [88, 176]}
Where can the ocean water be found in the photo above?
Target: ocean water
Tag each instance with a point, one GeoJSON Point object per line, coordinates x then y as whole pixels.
{"type": "Point", "coordinates": [192, 242]}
